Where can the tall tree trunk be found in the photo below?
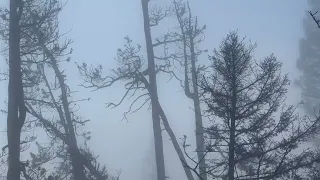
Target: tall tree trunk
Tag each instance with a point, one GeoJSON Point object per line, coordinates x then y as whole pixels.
{"type": "Point", "coordinates": [231, 162]}
{"type": "Point", "coordinates": [194, 95]}
{"type": "Point", "coordinates": [200, 138]}
{"type": "Point", "coordinates": [16, 108]}
{"type": "Point", "coordinates": [154, 94]}
{"type": "Point", "coordinates": [232, 143]}
{"type": "Point", "coordinates": [198, 115]}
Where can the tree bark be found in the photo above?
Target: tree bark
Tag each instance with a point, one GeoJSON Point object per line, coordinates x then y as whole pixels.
{"type": "Point", "coordinates": [154, 94]}
{"type": "Point", "coordinates": [16, 108]}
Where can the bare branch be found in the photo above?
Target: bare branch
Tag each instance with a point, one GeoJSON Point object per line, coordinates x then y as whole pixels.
{"type": "Point", "coordinates": [316, 20]}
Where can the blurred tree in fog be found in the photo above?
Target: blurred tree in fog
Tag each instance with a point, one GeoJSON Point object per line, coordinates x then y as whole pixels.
{"type": "Point", "coordinates": [309, 61]}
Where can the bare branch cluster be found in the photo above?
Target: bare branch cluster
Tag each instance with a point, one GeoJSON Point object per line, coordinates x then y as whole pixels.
{"type": "Point", "coordinates": [130, 70]}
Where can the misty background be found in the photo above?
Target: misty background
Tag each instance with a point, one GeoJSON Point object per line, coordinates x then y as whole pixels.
{"type": "Point", "coordinates": [98, 29]}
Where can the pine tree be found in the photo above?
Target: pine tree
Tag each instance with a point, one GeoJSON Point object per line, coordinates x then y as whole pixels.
{"type": "Point", "coordinates": [249, 139]}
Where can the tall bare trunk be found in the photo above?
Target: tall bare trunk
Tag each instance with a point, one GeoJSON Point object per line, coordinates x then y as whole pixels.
{"type": "Point", "coordinates": [188, 32]}
{"type": "Point", "coordinates": [154, 94]}
{"type": "Point", "coordinates": [194, 95]}
{"type": "Point", "coordinates": [198, 115]}
{"type": "Point", "coordinates": [16, 108]}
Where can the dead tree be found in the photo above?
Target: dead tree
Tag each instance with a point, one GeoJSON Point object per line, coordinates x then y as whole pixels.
{"type": "Point", "coordinates": [131, 71]}
{"type": "Point", "coordinates": [131, 65]}
{"type": "Point", "coordinates": [161, 175]}
{"type": "Point", "coordinates": [249, 140]}
{"type": "Point", "coordinates": [190, 33]}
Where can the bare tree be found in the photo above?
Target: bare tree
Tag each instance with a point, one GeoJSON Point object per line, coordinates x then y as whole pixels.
{"type": "Point", "coordinates": [161, 175]}
{"type": "Point", "coordinates": [131, 71]}
{"type": "Point", "coordinates": [190, 33]}
{"type": "Point", "coordinates": [131, 65]}
{"type": "Point", "coordinates": [243, 97]}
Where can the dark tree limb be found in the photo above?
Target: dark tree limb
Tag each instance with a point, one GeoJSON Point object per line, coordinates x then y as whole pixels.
{"type": "Point", "coordinates": [316, 20]}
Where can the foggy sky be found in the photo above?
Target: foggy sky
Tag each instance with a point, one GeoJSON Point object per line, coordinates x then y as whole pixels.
{"type": "Point", "coordinates": [98, 28]}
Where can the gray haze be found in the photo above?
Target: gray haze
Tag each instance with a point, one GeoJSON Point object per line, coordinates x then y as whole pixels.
{"type": "Point", "coordinates": [98, 28]}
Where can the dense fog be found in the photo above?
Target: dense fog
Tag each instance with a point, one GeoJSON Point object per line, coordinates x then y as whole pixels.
{"type": "Point", "coordinates": [125, 144]}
